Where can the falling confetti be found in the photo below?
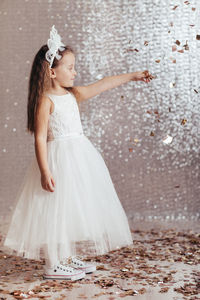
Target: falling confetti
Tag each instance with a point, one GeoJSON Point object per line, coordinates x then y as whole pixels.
{"type": "Point", "coordinates": [152, 133]}
{"type": "Point", "coordinates": [167, 140]}
{"type": "Point", "coordinates": [173, 60]}
{"type": "Point", "coordinates": [172, 84]}
{"type": "Point", "coordinates": [183, 122]}
{"type": "Point", "coordinates": [174, 48]}
{"type": "Point", "coordinates": [131, 50]}
{"type": "Point", "coordinates": [186, 46]}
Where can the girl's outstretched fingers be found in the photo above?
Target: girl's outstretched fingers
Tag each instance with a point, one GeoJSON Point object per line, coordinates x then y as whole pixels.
{"type": "Point", "coordinates": [142, 76]}
{"type": "Point", "coordinates": [147, 77]}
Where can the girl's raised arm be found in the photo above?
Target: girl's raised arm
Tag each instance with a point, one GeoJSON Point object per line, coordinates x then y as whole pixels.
{"type": "Point", "coordinates": [109, 82]}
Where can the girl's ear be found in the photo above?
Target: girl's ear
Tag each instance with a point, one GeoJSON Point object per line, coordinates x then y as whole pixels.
{"type": "Point", "coordinates": [52, 73]}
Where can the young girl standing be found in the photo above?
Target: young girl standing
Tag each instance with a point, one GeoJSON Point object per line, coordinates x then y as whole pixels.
{"type": "Point", "coordinates": [67, 195]}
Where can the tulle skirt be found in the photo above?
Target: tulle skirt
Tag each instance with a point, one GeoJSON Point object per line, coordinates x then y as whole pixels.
{"type": "Point", "coordinates": [82, 214]}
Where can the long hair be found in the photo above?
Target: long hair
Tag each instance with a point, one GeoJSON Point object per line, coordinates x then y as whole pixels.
{"type": "Point", "coordinates": [39, 82]}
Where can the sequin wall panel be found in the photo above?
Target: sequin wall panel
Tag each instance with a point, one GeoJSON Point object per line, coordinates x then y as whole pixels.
{"type": "Point", "coordinates": [148, 134]}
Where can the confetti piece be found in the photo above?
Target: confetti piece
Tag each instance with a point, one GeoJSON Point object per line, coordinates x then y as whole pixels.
{"type": "Point", "coordinates": [131, 50]}
{"type": "Point", "coordinates": [164, 290]}
{"type": "Point", "coordinates": [172, 84]}
{"type": "Point", "coordinates": [174, 48]}
{"type": "Point", "coordinates": [167, 140]}
{"type": "Point", "coordinates": [186, 46]}
{"type": "Point", "coordinates": [152, 133]}
{"type": "Point", "coordinates": [183, 122]}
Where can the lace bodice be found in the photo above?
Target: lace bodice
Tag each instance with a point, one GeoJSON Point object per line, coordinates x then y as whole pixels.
{"type": "Point", "coordinates": [65, 119]}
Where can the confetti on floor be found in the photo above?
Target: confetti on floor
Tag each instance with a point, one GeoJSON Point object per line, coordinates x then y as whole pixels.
{"type": "Point", "coordinates": [166, 261]}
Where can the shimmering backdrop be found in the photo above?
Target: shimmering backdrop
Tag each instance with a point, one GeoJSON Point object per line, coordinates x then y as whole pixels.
{"type": "Point", "coordinates": [155, 181]}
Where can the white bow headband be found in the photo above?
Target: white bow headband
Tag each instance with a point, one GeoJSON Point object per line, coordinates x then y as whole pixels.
{"type": "Point", "coordinates": [54, 44]}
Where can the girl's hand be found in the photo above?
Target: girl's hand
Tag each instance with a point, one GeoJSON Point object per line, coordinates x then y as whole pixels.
{"type": "Point", "coordinates": [143, 76]}
{"type": "Point", "coordinates": [47, 181]}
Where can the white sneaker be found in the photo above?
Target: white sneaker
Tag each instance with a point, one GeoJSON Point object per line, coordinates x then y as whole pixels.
{"type": "Point", "coordinates": [77, 263]}
{"type": "Point", "coordinates": [59, 271]}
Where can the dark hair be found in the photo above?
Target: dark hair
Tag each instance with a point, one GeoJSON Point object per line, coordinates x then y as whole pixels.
{"type": "Point", "coordinates": [39, 82]}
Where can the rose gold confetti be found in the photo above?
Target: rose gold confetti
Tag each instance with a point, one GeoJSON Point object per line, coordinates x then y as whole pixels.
{"type": "Point", "coordinates": [183, 122]}
{"type": "Point", "coordinates": [174, 48]}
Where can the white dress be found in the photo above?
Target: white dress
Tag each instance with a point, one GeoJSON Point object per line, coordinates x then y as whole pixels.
{"type": "Point", "coordinates": [84, 207]}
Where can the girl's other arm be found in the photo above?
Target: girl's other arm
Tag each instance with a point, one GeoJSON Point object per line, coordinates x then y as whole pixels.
{"type": "Point", "coordinates": [109, 82]}
{"type": "Point", "coordinates": [40, 133]}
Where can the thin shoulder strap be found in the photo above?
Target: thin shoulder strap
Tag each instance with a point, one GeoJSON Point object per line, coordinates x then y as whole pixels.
{"type": "Point", "coordinates": [51, 97]}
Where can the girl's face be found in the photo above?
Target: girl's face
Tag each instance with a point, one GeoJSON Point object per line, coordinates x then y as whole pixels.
{"type": "Point", "coordinates": [64, 74]}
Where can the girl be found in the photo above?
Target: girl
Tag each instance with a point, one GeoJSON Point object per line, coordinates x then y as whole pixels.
{"type": "Point", "coordinates": [67, 195]}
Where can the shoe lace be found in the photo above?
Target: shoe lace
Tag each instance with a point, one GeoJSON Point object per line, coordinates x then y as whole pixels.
{"type": "Point", "coordinates": [78, 259]}
{"type": "Point", "coordinates": [71, 259]}
{"type": "Point", "coordinates": [67, 268]}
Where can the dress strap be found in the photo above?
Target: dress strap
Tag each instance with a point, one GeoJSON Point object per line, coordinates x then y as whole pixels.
{"type": "Point", "coordinates": [51, 97]}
